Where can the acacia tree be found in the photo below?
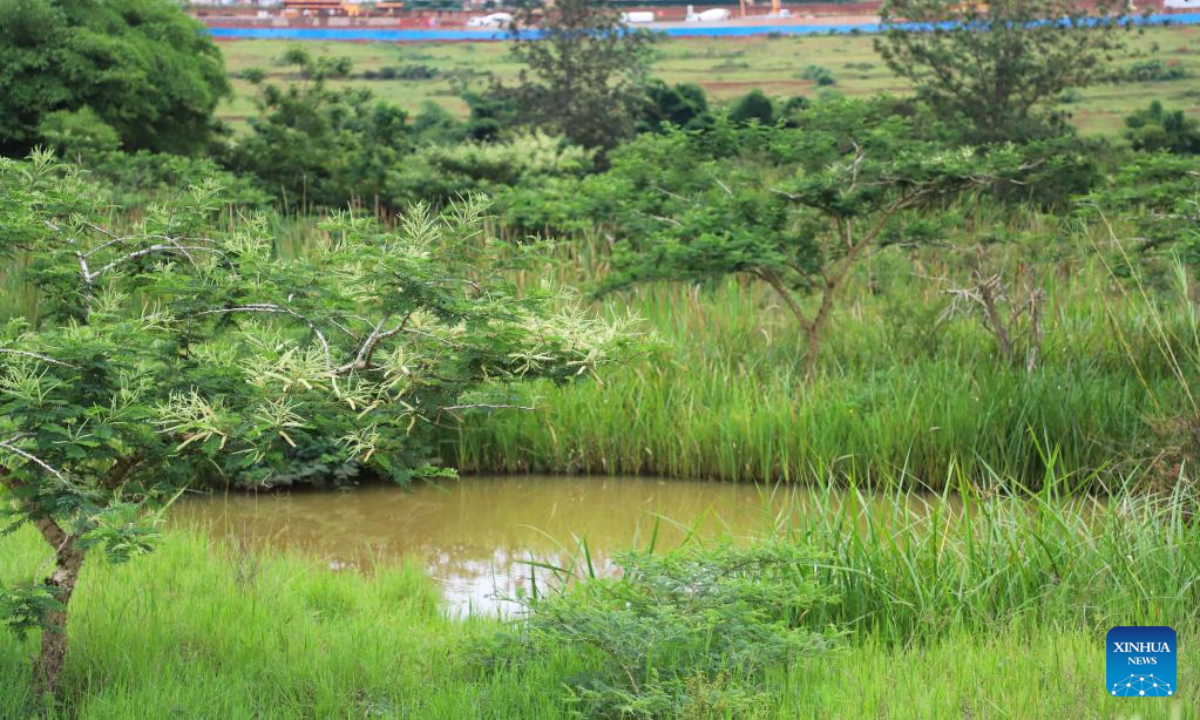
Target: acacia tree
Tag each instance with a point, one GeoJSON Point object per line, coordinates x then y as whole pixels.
{"type": "Point", "coordinates": [175, 352]}
{"type": "Point", "coordinates": [1000, 68]}
{"type": "Point", "coordinates": [795, 208]}
{"type": "Point", "coordinates": [1158, 196]}
{"type": "Point", "coordinates": [584, 70]}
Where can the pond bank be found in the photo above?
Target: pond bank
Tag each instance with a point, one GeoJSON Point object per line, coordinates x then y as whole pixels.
{"type": "Point", "coordinates": [477, 536]}
{"type": "Point", "coordinates": [201, 629]}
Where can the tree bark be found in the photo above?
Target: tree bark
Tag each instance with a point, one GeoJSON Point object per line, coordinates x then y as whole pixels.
{"type": "Point", "coordinates": [67, 562]}
{"type": "Point", "coordinates": [46, 669]}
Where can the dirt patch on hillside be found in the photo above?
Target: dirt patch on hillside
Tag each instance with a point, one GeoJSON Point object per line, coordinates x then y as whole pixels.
{"type": "Point", "coordinates": [746, 85]}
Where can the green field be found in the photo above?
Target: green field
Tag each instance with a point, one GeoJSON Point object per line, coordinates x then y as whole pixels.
{"type": "Point", "coordinates": [724, 67]}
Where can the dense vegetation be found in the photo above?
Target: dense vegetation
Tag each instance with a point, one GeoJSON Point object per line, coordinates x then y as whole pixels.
{"type": "Point", "coordinates": [952, 293]}
{"type": "Point", "coordinates": [134, 72]}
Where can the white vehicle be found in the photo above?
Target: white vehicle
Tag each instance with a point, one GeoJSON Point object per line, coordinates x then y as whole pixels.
{"type": "Point", "coordinates": [493, 20]}
{"type": "Point", "coordinates": [638, 17]}
{"type": "Point", "coordinates": [713, 15]}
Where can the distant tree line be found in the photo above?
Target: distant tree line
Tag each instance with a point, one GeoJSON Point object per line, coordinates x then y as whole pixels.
{"type": "Point", "coordinates": [129, 89]}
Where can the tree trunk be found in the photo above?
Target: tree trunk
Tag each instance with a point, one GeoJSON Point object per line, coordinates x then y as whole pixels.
{"type": "Point", "coordinates": [816, 328]}
{"type": "Point", "coordinates": [67, 562]}
{"type": "Point", "coordinates": [812, 351]}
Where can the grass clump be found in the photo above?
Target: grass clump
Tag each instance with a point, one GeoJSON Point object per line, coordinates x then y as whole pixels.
{"type": "Point", "coordinates": [917, 568]}
{"type": "Point", "coordinates": [691, 633]}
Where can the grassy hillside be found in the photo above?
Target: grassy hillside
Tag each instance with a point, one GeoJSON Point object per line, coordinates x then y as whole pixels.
{"type": "Point", "coordinates": [725, 67]}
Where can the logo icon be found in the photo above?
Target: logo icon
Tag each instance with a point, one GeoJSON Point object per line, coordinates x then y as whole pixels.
{"type": "Point", "coordinates": [1141, 661]}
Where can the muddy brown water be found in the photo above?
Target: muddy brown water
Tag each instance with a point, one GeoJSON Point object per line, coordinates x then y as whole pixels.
{"type": "Point", "coordinates": [477, 535]}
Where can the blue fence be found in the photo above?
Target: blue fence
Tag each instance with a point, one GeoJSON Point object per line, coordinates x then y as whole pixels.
{"type": "Point", "coordinates": [696, 30]}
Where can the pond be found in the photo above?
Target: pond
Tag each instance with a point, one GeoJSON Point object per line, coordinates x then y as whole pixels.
{"type": "Point", "coordinates": [477, 535]}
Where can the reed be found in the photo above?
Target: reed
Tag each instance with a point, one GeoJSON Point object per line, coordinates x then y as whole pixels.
{"type": "Point", "coordinates": [952, 601]}
{"type": "Point", "coordinates": [904, 389]}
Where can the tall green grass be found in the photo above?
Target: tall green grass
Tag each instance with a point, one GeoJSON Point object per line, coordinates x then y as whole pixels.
{"type": "Point", "coordinates": [986, 605]}
{"type": "Point", "coordinates": [975, 562]}
{"type": "Point", "coordinates": [903, 392]}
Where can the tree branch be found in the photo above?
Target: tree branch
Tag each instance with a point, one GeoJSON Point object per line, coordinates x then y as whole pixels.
{"type": "Point", "coordinates": [44, 358]}
{"type": "Point", "coordinates": [279, 310]}
{"type": "Point", "coordinates": [174, 246]}
{"type": "Point", "coordinates": [363, 359]}
{"type": "Point", "coordinates": [6, 444]}
{"type": "Point", "coordinates": [772, 278]}
{"type": "Point", "coordinates": [50, 530]}
{"type": "Point", "coordinates": [120, 470]}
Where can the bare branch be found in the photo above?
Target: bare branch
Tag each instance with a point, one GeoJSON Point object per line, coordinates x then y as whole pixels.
{"type": "Point", "coordinates": [363, 359]}
{"type": "Point", "coordinates": [722, 185]}
{"type": "Point", "coordinates": [487, 406]}
{"type": "Point", "coordinates": [33, 459]}
{"type": "Point", "coordinates": [44, 358]}
{"type": "Point", "coordinates": [772, 278]}
{"type": "Point", "coordinates": [115, 239]}
{"type": "Point", "coordinates": [279, 310]}
{"type": "Point", "coordinates": [174, 247]}
{"type": "Point", "coordinates": [84, 270]}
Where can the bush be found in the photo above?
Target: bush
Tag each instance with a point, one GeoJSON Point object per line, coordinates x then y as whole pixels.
{"type": "Point", "coordinates": [434, 124]}
{"type": "Point", "coordinates": [754, 106]}
{"type": "Point", "coordinates": [416, 72]}
{"type": "Point", "coordinates": [76, 134]}
{"type": "Point", "coordinates": [317, 145]}
{"type": "Point", "coordinates": [440, 173]}
{"type": "Point", "coordinates": [136, 180]}
{"type": "Point", "coordinates": [1157, 129]}
{"type": "Point", "coordinates": [1155, 70]}
{"type": "Point", "coordinates": [690, 633]}
{"type": "Point", "coordinates": [821, 76]}
{"type": "Point", "coordinates": [402, 72]}
{"type": "Point", "coordinates": [684, 105]}
{"type": "Point", "coordinates": [1156, 193]}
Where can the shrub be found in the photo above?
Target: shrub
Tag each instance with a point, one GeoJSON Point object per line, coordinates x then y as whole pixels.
{"type": "Point", "coordinates": [754, 106]}
{"type": "Point", "coordinates": [684, 105]}
{"type": "Point", "coordinates": [1155, 71]}
{"type": "Point", "coordinates": [78, 134]}
{"type": "Point", "coordinates": [175, 350]}
{"type": "Point", "coordinates": [416, 72]}
{"type": "Point", "coordinates": [440, 173]}
{"type": "Point", "coordinates": [685, 634]}
{"type": "Point", "coordinates": [1156, 128]}
{"type": "Point", "coordinates": [1157, 194]}
{"type": "Point", "coordinates": [313, 144]}
{"type": "Point", "coordinates": [821, 76]}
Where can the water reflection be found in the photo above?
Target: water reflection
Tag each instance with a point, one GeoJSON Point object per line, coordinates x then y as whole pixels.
{"type": "Point", "coordinates": [477, 535]}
